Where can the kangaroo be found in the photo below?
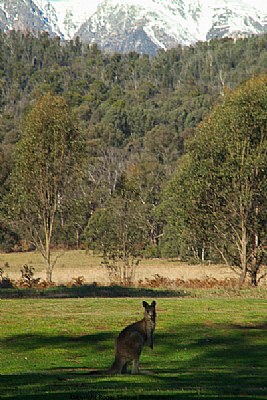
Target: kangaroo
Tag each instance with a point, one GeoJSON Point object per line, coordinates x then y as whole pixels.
{"type": "Point", "coordinates": [131, 340]}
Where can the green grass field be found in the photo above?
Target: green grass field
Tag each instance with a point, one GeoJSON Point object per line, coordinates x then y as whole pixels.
{"type": "Point", "coordinates": [204, 348]}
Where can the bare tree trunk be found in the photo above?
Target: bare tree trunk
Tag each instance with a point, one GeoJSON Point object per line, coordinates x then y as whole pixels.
{"type": "Point", "coordinates": [255, 264]}
{"type": "Point", "coordinates": [48, 272]}
{"type": "Point", "coordinates": [254, 276]}
{"type": "Point", "coordinates": [243, 255]}
{"type": "Point", "coordinates": [203, 252]}
{"type": "Point", "coordinates": [48, 262]}
{"type": "Point", "coordinates": [77, 239]}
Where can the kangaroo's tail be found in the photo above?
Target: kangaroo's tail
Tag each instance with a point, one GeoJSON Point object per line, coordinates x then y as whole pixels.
{"type": "Point", "coordinates": [115, 368]}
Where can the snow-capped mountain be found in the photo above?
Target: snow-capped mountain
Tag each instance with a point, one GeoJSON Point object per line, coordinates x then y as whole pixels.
{"type": "Point", "coordinates": [145, 26]}
{"type": "Point", "coordinates": [29, 15]}
{"type": "Point", "coordinates": [73, 13]}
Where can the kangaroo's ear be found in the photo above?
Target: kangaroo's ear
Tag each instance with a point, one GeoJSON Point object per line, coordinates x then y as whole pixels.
{"type": "Point", "coordinates": [153, 303]}
{"type": "Point", "coordinates": [145, 304]}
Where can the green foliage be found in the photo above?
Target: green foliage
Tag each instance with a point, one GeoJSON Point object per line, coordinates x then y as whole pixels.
{"type": "Point", "coordinates": [138, 109]}
{"type": "Point", "coordinates": [45, 172]}
{"type": "Point", "coordinates": [220, 190]}
{"type": "Point", "coordinates": [120, 233]}
{"type": "Point", "coordinates": [176, 87]}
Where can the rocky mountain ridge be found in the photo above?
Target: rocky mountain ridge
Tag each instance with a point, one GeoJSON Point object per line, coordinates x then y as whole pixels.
{"type": "Point", "coordinates": [29, 16]}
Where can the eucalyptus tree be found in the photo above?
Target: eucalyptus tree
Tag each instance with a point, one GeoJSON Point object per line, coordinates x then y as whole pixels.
{"type": "Point", "coordinates": [46, 171]}
{"type": "Point", "coordinates": [119, 232]}
{"type": "Point", "coordinates": [222, 192]}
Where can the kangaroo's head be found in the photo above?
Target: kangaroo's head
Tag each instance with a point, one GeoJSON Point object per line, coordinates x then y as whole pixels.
{"type": "Point", "coordinates": [150, 311]}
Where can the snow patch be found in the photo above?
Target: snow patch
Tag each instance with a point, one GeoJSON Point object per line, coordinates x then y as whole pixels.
{"type": "Point", "coordinates": [149, 31]}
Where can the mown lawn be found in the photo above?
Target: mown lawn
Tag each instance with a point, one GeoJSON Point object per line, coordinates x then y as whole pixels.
{"type": "Point", "coordinates": [204, 348]}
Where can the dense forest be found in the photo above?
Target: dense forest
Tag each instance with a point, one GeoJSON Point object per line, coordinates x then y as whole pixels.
{"type": "Point", "coordinates": [135, 115]}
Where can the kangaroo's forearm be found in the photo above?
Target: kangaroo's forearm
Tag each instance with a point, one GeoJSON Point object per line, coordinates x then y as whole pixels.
{"type": "Point", "coordinates": [150, 336]}
{"type": "Point", "coordinates": [151, 340]}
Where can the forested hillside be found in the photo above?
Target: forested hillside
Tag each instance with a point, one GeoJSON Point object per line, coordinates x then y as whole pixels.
{"type": "Point", "coordinates": [134, 113]}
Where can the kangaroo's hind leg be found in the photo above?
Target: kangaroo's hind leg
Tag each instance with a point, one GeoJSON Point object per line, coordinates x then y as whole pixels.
{"type": "Point", "coordinates": [118, 365]}
{"type": "Point", "coordinates": [135, 367]}
{"type": "Point", "coordinates": [124, 368]}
